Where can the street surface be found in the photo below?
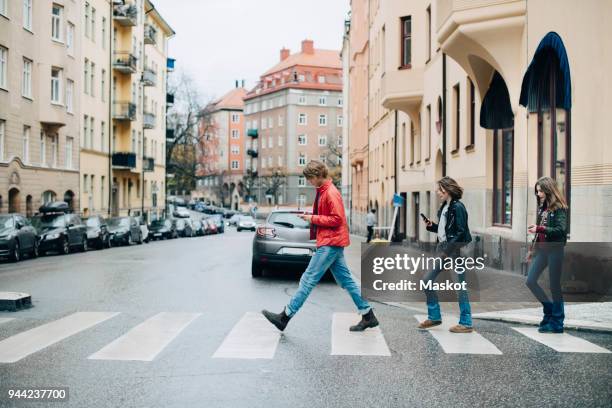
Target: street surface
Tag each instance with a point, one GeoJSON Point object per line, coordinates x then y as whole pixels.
{"type": "Point", "coordinates": [177, 324]}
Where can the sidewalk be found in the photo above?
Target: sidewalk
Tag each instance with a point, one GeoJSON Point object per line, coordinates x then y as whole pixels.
{"type": "Point", "coordinates": [580, 316]}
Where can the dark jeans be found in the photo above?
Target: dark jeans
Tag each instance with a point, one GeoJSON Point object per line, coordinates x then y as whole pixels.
{"type": "Point", "coordinates": [553, 258]}
{"type": "Point", "coordinates": [370, 233]}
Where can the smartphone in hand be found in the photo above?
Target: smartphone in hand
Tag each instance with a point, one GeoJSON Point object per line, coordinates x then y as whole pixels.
{"type": "Point", "coordinates": [425, 219]}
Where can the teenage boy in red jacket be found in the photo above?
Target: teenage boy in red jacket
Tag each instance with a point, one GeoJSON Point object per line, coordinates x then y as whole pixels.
{"type": "Point", "coordinates": [328, 225]}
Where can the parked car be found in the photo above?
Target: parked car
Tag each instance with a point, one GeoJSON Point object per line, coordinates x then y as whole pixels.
{"type": "Point", "coordinates": [246, 222]}
{"type": "Point", "coordinates": [163, 229]}
{"type": "Point", "coordinates": [97, 232]}
{"type": "Point", "coordinates": [219, 222]}
{"type": "Point", "coordinates": [183, 227]}
{"type": "Point", "coordinates": [199, 206]}
{"type": "Point", "coordinates": [198, 228]}
{"type": "Point", "coordinates": [125, 231]}
{"type": "Point", "coordinates": [233, 221]}
{"type": "Point", "coordinates": [181, 212]}
{"type": "Point", "coordinates": [17, 237]}
{"type": "Point", "coordinates": [58, 230]}
{"type": "Point", "coordinates": [284, 239]}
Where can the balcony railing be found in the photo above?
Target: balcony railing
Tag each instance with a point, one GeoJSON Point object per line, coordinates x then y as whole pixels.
{"type": "Point", "coordinates": [149, 77]}
{"type": "Point", "coordinates": [124, 61]}
{"type": "Point", "coordinates": [148, 120]}
{"type": "Point", "coordinates": [150, 34]}
{"type": "Point", "coordinates": [124, 160]}
{"type": "Point", "coordinates": [125, 14]}
{"type": "Point", "coordinates": [252, 152]}
{"type": "Point", "coordinates": [253, 133]}
{"type": "Point", "coordinates": [148, 164]}
{"type": "Point", "coordinates": [124, 111]}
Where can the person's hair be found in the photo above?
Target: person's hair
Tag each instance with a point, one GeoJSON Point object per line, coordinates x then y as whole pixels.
{"type": "Point", "coordinates": [552, 195]}
{"type": "Point", "coordinates": [451, 187]}
{"type": "Point", "coordinates": [315, 169]}
{"type": "Point", "coordinates": [373, 210]}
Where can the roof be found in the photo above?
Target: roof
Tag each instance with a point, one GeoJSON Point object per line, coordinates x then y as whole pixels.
{"type": "Point", "coordinates": [231, 100]}
{"type": "Point", "coordinates": [150, 7]}
{"type": "Point", "coordinates": [320, 58]}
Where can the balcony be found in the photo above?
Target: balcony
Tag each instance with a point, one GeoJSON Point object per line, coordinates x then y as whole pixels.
{"type": "Point", "coordinates": [148, 164]}
{"type": "Point", "coordinates": [253, 133]}
{"type": "Point", "coordinates": [125, 14]}
{"type": "Point", "coordinates": [402, 89]}
{"type": "Point", "coordinates": [125, 62]}
{"type": "Point", "coordinates": [124, 160]}
{"type": "Point", "coordinates": [149, 77]}
{"type": "Point", "coordinates": [124, 111]}
{"type": "Point", "coordinates": [150, 34]}
{"type": "Point", "coordinates": [148, 120]}
{"type": "Point", "coordinates": [252, 152]}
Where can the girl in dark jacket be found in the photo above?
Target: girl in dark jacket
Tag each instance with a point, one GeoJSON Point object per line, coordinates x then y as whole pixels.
{"type": "Point", "coordinates": [453, 233]}
{"type": "Point", "coordinates": [550, 232]}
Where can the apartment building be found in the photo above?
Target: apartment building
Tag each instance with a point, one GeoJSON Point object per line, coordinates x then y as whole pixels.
{"type": "Point", "coordinates": [222, 151]}
{"type": "Point", "coordinates": [39, 104]}
{"type": "Point", "coordinates": [491, 93]}
{"type": "Point", "coordinates": [294, 115]}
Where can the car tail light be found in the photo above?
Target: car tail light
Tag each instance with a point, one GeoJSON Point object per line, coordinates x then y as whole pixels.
{"type": "Point", "coordinates": [266, 232]}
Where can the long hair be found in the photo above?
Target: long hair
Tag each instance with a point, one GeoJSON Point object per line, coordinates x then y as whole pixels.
{"type": "Point", "coordinates": [552, 195]}
{"type": "Point", "coordinates": [451, 187]}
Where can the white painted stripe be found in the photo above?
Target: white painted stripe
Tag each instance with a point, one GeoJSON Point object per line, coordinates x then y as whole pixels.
{"type": "Point", "coordinates": [459, 343]}
{"type": "Point", "coordinates": [370, 342]}
{"type": "Point", "coordinates": [23, 344]}
{"type": "Point", "coordinates": [252, 337]}
{"type": "Point", "coordinates": [5, 319]}
{"type": "Point", "coordinates": [562, 342]}
{"type": "Point", "coordinates": [145, 341]}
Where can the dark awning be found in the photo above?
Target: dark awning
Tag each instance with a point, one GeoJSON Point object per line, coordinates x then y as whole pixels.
{"type": "Point", "coordinates": [535, 90]}
{"type": "Point", "coordinates": [496, 111]}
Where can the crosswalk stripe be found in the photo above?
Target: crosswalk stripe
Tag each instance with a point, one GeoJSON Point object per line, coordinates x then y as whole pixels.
{"type": "Point", "coordinates": [459, 343]}
{"type": "Point", "coordinates": [370, 342]}
{"type": "Point", "coordinates": [5, 319]}
{"type": "Point", "coordinates": [145, 341]}
{"type": "Point", "coordinates": [23, 344]}
{"type": "Point", "coordinates": [252, 337]}
{"type": "Point", "coordinates": [561, 342]}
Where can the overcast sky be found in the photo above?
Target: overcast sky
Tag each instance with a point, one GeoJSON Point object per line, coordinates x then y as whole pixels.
{"type": "Point", "coordinates": [219, 41]}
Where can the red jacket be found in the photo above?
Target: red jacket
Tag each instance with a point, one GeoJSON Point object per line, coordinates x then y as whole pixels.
{"type": "Point", "coordinates": [330, 221]}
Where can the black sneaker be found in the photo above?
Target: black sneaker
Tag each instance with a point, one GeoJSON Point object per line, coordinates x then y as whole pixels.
{"type": "Point", "coordinates": [548, 328]}
{"type": "Point", "coordinates": [280, 320]}
{"type": "Point", "coordinates": [367, 320]}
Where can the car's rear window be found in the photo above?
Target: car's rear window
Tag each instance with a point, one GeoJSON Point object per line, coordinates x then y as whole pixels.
{"type": "Point", "coordinates": [290, 220]}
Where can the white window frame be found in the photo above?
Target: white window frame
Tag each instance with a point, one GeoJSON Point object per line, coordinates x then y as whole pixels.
{"type": "Point", "coordinates": [270, 142]}
{"type": "Point", "coordinates": [26, 80]}
{"type": "Point", "coordinates": [43, 148]}
{"type": "Point", "coordinates": [235, 165]}
{"type": "Point", "coordinates": [70, 39]}
{"type": "Point", "coordinates": [68, 151]}
{"type": "Point", "coordinates": [322, 120]}
{"type": "Point", "coordinates": [302, 140]}
{"type": "Point", "coordinates": [340, 102]}
{"type": "Point", "coordinates": [56, 86]}
{"type": "Point", "coordinates": [302, 100]}
{"type": "Point", "coordinates": [235, 134]}
{"type": "Point", "coordinates": [27, 14]}
{"type": "Point", "coordinates": [340, 121]}
{"type": "Point", "coordinates": [54, 146]}
{"type": "Point", "coordinates": [235, 118]}
{"type": "Point", "coordinates": [280, 140]}
{"type": "Point", "coordinates": [86, 77]}
{"type": "Point", "coordinates": [92, 79]}
{"type": "Point", "coordinates": [280, 120]}
{"type": "Point", "coordinates": [322, 140]}
{"type": "Point", "coordinates": [321, 79]}
{"type": "Point", "coordinates": [235, 149]}
{"type": "Point", "coordinates": [3, 66]}
{"type": "Point", "coordinates": [270, 122]}
{"type": "Point", "coordinates": [93, 24]}
{"type": "Point", "coordinates": [4, 7]}
{"type": "Point", "coordinates": [302, 119]}
{"type": "Point", "coordinates": [301, 162]}
{"type": "Point", "coordinates": [25, 147]}
{"type": "Point", "coordinates": [322, 100]}
{"type": "Point", "coordinates": [57, 22]}
{"type": "Point", "coordinates": [270, 162]}
{"type": "Point", "coordinates": [2, 138]}
{"type": "Point", "coordinates": [69, 96]}
{"type": "Point", "coordinates": [280, 161]}
{"type": "Point", "coordinates": [301, 181]}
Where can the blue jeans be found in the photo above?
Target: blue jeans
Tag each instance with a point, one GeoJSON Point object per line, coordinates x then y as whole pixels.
{"type": "Point", "coordinates": [433, 306]}
{"type": "Point", "coordinates": [553, 258]}
{"type": "Point", "coordinates": [326, 257]}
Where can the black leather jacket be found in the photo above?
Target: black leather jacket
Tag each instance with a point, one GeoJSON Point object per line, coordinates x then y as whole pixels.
{"type": "Point", "coordinates": [457, 230]}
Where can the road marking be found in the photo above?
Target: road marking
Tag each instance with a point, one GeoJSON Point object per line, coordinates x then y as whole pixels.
{"type": "Point", "coordinates": [23, 344]}
{"type": "Point", "coordinates": [252, 337]}
{"type": "Point", "coordinates": [459, 343]}
{"type": "Point", "coordinates": [6, 319]}
{"type": "Point", "coordinates": [370, 342]}
{"type": "Point", "coordinates": [145, 341]}
{"type": "Point", "coordinates": [562, 342]}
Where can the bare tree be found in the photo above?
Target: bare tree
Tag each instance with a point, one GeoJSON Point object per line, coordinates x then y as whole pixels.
{"type": "Point", "coordinates": [274, 182]}
{"type": "Point", "coordinates": [333, 159]}
{"type": "Point", "coordinates": [249, 184]}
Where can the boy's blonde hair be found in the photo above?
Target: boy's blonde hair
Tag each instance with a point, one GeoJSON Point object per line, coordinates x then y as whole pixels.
{"type": "Point", "coordinates": [315, 169]}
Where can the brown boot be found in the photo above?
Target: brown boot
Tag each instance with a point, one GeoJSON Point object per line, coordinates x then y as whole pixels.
{"type": "Point", "coordinates": [426, 324]}
{"type": "Point", "coordinates": [461, 329]}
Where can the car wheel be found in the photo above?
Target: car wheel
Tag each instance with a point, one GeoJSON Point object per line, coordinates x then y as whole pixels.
{"type": "Point", "coordinates": [84, 246]}
{"type": "Point", "coordinates": [129, 239]}
{"type": "Point", "coordinates": [65, 246]}
{"type": "Point", "coordinates": [35, 250]}
{"type": "Point", "coordinates": [140, 241]}
{"type": "Point", "coordinates": [239, 229]}
{"type": "Point", "coordinates": [109, 242]}
{"type": "Point", "coordinates": [16, 255]}
{"type": "Point", "coordinates": [256, 269]}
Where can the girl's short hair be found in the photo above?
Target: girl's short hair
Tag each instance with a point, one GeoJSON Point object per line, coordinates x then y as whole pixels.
{"type": "Point", "coordinates": [314, 169]}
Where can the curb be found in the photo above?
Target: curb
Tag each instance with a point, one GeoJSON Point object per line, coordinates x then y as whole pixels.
{"type": "Point", "coordinates": [581, 325]}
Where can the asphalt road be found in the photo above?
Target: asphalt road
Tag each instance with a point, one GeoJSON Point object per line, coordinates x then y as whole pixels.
{"type": "Point", "coordinates": [197, 294]}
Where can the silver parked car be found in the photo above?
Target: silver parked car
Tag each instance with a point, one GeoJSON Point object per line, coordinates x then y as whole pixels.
{"type": "Point", "coordinates": [246, 222]}
{"type": "Point", "coordinates": [284, 239]}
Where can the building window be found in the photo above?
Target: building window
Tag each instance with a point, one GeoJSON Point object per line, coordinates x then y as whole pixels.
{"type": "Point", "coordinates": [301, 78]}
{"type": "Point", "coordinates": [270, 122]}
{"type": "Point", "coordinates": [2, 138]}
{"type": "Point", "coordinates": [91, 132]}
{"type": "Point", "coordinates": [93, 24]}
{"type": "Point", "coordinates": [235, 118]}
{"type": "Point", "coordinates": [301, 181]}
{"type": "Point", "coordinates": [87, 20]}
{"type": "Point", "coordinates": [412, 149]}
{"type": "Point", "coordinates": [92, 79]}
{"type": "Point", "coordinates": [69, 147]}
{"type": "Point", "coordinates": [235, 165]}
{"type": "Point", "coordinates": [235, 134]}
{"type": "Point", "coordinates": [323, 158]}
{"type": "Point", "coordinates": [69, 96]}
{"type": "Point", "coordinates": [321, 79]}
{"type": "Point", "coordinates": [404, 142]}
{"type": "Point", "coordinates": [56, 22]}
{"type": "Point", "coordinates": [54, 146]}
{"type": "Point", "coordinates": [456, 118]}
{"type": "Point", "coordinates": [503, 170]}
{"type": "Point", "coordinates": [322, 140]}
{"type": "Point", "coordinates": [302, 100]}
{"type": "Point", "coordinates": [406, 41]}
{"type": "Point", "coordinates": [4, 8]}
{"type": "Point", "coordinates": [103, 33]}
{"type": "Point", "coordinates": [472, 140]}
{"type": "Point", "coordinates": [270, 142]}
{"type": "Point", "coordinates": [26, 84]}
{"type": "Point", "coordinates": [56, 87]}
{"type": "Point", "coordinates": [339, 121]}
{"type": "Point", "coordinates": [322, 100]}
{"type": "Point", "coordinates": [103, 85]}
{"type": "Point", "coordinates": [428, 132]}
{"type": "Point", "coordinates": [280, 161]}
{"type": "Point", "coordinates": [554, 141]}
{"type": "Point", "coordinates": [86, 77]}
{"type": "Point", "coordinates": [280, 120]}
{"type": "Point", "coordinates": [302, 140]}
{"type": "Point", "coordinates": [25, 148]}
{"type": "Point", "coordinates": [235, 149]}
{"type": "Point", "coordinates": [43, 149]}
{"type": "Point", "coordinates": [322, 120]}
{"type": "Point", "coordinates": [339, 101]}
{"type": "Point", "coordinates": [302, 159]}
{"type": "Point", "coordinates": [3, 66]}
{"type": "Point", "coordinates": [70, 39]}
{"type": "Point", "coordinates": [302, 119]}
{"type": "Point", "coordinates": [428, 28]}
{"type": "Point", "coordinates": [102, 135]}
{"type": "Point", "coordinates": [85, 132]}
{"type": "Point", "coordinates": [27, 14]}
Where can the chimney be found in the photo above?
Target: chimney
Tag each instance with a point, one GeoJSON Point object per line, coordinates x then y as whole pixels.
{"type": "Point", "coordinates": [308, 47]}
{"type": "Point", "coordinates": [284, 53]}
